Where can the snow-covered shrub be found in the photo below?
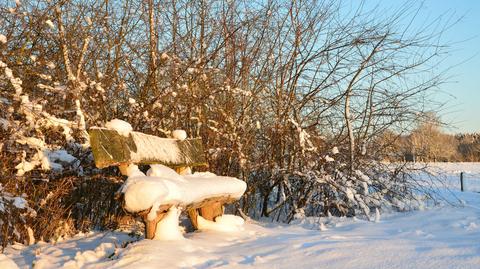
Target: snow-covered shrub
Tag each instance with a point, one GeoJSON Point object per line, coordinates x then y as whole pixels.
{"type": "Point", "coordinates": [45, 153]}
{"type": "Point", "coordinates": [15, 216]}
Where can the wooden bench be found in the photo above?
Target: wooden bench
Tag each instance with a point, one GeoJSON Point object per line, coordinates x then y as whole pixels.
{"type": "Point", "coordinates": [110, 148]}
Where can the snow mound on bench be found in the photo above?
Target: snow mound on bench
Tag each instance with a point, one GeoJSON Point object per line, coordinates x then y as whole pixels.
{"type": "Point", "coordinates": [122, 127]}
{"type": "Point", "coordinates": [168, 228]}
{"type": "Point", "coordinates": [164, 186]}
{"type": "Point", "coordinates": [158, 170]}
{"type": "Point", "coordinates": [179, 134]}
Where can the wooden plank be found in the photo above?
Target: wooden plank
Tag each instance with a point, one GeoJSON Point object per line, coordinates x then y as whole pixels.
{"type": "Point", "coordinates": [112, 149]}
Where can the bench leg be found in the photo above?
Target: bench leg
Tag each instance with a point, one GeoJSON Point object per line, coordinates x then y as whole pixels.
{"type": "Point", "coordinates": [211, 211]}
{"type": "Point", "coordinates": [208, 212]}
{"type": "Point", "coordinates": [151, 225]}
{"type": "Point", "coordinates": [193, 214]}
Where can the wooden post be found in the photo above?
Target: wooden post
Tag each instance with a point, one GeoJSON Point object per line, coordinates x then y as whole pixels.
{"type": "Point", "coordinates": [461, 181]}
{"type": "Point", "coordinates": [151, 225]}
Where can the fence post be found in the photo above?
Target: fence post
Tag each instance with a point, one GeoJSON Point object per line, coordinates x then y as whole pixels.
{"type": "Point", "coordinates": [461, 181]}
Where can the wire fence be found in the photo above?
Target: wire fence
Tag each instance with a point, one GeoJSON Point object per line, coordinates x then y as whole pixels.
{"type": "Point", "coordinates": [469, 181]}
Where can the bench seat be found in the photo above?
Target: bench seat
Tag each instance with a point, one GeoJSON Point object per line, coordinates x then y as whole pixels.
{"type": "Point", "coordinates": [141, 192]}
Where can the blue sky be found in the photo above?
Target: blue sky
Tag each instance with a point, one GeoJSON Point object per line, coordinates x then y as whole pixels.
{"type": "Point", "coordinates": [462, 93]}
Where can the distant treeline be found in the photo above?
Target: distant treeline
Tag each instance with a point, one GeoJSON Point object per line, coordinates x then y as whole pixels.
{"type": "Point", "coordinates": [427, 143]}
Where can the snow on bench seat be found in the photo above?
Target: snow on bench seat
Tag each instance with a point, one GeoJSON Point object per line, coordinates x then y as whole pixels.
{"type": "Point", "coordinates": [163, 186]}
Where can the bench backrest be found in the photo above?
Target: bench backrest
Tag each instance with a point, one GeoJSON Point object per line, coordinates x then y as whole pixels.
{"type": "Point", "coordinates": [112, 149]}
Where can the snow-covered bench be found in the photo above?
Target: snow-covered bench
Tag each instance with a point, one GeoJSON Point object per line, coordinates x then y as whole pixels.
{"type": "Point", "coordinates": [162, 193]}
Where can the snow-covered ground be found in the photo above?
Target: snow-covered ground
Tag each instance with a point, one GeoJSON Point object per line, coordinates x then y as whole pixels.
{"type": "Point", "coordinates": [444, 236]}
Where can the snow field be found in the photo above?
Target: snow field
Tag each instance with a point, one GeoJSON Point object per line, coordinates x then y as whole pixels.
{"type": "Point", "coordinates": [448, 175]}
{"type": "Point", "coordinates": [444, 235]}
{"type": "Point", "coordinates": [7, 263]}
